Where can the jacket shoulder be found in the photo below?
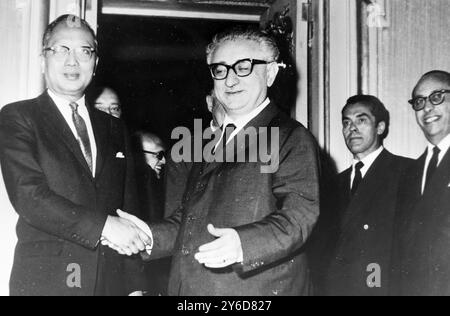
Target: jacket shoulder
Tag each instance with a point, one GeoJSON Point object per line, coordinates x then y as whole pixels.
{"type": "Point", "coordinates": [20, 106]}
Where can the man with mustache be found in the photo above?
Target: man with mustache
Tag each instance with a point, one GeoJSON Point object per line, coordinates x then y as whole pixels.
{"type": "Point", "coordinates": [367, 194]}
{"type": "Point", "coordinates": [422, 254]}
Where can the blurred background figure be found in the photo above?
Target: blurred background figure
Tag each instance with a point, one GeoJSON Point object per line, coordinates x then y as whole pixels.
{"type": "Point", "coordinates": [154, 152]}
{"type": "Point", "coordinates": [107, 100]}
{"type": "Point", "coordinates": [217, 110]}
{"type": "Point", "coordinates": [150, 164]}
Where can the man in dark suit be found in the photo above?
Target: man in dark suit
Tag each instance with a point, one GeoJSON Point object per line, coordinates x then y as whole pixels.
{"type": "Point", "coordinates": [422, 252]}
{"type": "Point", "coordinates": [67, 169]}
{"type": "Point", "coordinates": [367, 194]}
{"type": "Point", "coordinates": [238, 230]}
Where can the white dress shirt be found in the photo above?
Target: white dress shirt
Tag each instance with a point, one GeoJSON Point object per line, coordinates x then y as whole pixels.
{"type": "Point", "coordinates": [367, 161]}
{"type": "Point", "coordinates": [63, 106]}
{"type": "Point", "coordinates": [444, 145]}
{"type": "Point", "coordinates": [241, 122]}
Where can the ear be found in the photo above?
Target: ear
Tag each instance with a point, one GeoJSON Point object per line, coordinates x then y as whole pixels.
{"type": "Point", "coordinates": [381, 128]}
{"type": "Point", "coordinates": [43, 64]}
{"type": "Point", "coordinates": [209, 102]}
{"type": "Point", "coordinates": [272, 72]}
{"type": "Point", "coordinates": [95, 67]}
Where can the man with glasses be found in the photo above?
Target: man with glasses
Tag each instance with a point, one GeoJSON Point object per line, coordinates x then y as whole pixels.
{"type": "Point", "coordinates": [239, 231]}
{"type": "Point", "coordinates": [422, 255]}
{"type": "Point", "coordinates": [67, 169]}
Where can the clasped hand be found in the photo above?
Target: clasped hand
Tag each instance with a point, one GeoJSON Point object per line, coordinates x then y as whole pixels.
{"type": "Point", "coordinates": [124, 236]}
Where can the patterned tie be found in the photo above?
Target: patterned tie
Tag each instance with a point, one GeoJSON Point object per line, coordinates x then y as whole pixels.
{"type": "Point", "coordinates": [358, 177]}
{"type": "Point", "coordinates": [83, 137]}
{"type": "Point", "coordinates": [432, 167]}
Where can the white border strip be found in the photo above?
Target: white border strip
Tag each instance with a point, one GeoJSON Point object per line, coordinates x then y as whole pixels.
{"type": "Point", "coordinates": [173, 13]}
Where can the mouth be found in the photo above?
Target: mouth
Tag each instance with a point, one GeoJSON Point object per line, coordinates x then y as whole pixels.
{"type": "Point", "coordinates": [431, 119]}
{"type": "Point", "coordinates": [354, 139]}
{"type": "Point", "coordinates": [72, 76]}
{"type": "Point", "coordinates": [234, 93]}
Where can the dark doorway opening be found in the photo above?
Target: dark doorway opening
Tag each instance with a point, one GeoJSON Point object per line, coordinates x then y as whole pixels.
{"type": "Point", "coordinates": [158, 67]}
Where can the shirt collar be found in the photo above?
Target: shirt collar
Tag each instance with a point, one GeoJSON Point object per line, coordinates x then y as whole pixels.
{"type": "Point", "coordinates": [444, 145]}
{"type": "Point", "coordinates": [369, 159]}
{"type": "Point", "coordinates": [245, 119]}
{"type": "Point", "coordinates": [62, 103]}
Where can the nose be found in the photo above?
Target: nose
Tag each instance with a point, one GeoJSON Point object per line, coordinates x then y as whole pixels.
{"type": "Point", "coordinates": [232, 79]}
{"type": "Point", "coordinates": [353, 127]}
{"type": "Point", "coordinates": [71, 59]}
{"type": "Point", "coordinates": [428, 106]}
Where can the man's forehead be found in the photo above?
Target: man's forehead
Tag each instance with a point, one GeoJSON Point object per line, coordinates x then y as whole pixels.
{"type": "Point", "coordinates": [430, 84]}
{"type": "Point", "coordinates": [234, 50]}
{"type": "Point", "coordinates": [357, 109]}
{"type": "Point", "coordinates": [64, 32]}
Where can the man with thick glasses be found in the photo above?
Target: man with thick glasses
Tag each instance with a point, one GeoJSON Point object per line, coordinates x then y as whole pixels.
{"type": "Point", "coordinates": [67, 169]}
{"type": "Point", "coordinates": [239, 231]}
{"type": "Point", "coordinates": [422, 254]}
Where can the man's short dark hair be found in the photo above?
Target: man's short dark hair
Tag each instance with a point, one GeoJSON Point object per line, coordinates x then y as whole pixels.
{"type": "Point", "coordinates": [267, 42]}
{"type": "Point", "coordinates": [70, 21]}
{"type": "Point", "coordinates": [375, 106]}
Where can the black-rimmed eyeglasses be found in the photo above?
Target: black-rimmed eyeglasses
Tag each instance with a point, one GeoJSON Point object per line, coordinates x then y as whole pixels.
{"type": "Point", "coordinates": [436, 98]}
{"type": "Point", "coordinates": [83, 54]}
{"type": "Point", "coordinates": [159, 155]}
{"type": "Point", "coordinates": [242, 68]}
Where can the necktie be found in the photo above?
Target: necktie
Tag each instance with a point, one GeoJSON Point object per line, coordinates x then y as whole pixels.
{"type": "Point", "coordinates": [358, 177]}
{"type": "Point", "coordinates": [83, 137]}
{"type": "Point", "coordinates": [432, 166]}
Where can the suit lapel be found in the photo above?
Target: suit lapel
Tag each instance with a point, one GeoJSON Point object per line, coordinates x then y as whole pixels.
{"type": "Point", "coordinates": [439, 184]}
{"type": "Point", "coordinates": [368, 189]}
{"type": "Point", "coordinates": [60, 129]}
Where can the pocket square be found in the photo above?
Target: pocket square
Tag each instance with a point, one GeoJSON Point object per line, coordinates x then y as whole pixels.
{"type": "Point", "coordinates": [120, 155]}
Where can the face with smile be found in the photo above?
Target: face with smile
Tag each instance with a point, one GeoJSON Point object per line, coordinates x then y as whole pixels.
{"type": "Point", "coordinates": [434, 120]}
{"type": "Point", "coordinates": [361, 132]}
{"type": "Point", "coordinates": [241, 95]}
{"type": "Point", "coordinates": [69, 77]}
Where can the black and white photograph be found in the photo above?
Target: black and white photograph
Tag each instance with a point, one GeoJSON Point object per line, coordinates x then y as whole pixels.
{"type": "Point", "coordinates": [225, 152]}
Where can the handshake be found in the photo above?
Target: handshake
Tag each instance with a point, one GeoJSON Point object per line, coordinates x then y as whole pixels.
{"type": "Point", "coordinates": [127, 234]}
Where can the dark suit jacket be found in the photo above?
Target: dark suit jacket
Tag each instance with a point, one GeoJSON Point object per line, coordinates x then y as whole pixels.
{"type": "Point", "coordinates": [365, 228]}
{"type": "Point", "coordinates": [273, 214]}
{"type": "Point", "coordinates": [422, 249]}
{"type": "Point", "coordinates": [62, 208]}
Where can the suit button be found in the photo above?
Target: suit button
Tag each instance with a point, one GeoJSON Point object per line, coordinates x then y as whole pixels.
{"type": "Point", "coordinates": [185, 251]}
{"type": "Point", "coordinates": [191, 218]}
{"type": "Point", "coordinates": [366, 227]}
{"type": "Point", "coordinates": [75, 236]}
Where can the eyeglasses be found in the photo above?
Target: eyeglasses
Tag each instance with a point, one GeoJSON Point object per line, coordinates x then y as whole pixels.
{"type": "Point", "coordinates": [436, 98]}
{"type": "Point", "coordinates": [160, 155]}
{"type": "Point", "coordinates": [242, 68]}
{"type": "Point", "coordinates": [83, 54]}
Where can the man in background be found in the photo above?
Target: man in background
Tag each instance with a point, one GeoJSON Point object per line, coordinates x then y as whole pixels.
{"type": "Point", "coordinates": [107, 100]}
{"type": "Point", "coordinates": [367, 195]}
{"type": "Point", "coordinates": [422, 254]}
